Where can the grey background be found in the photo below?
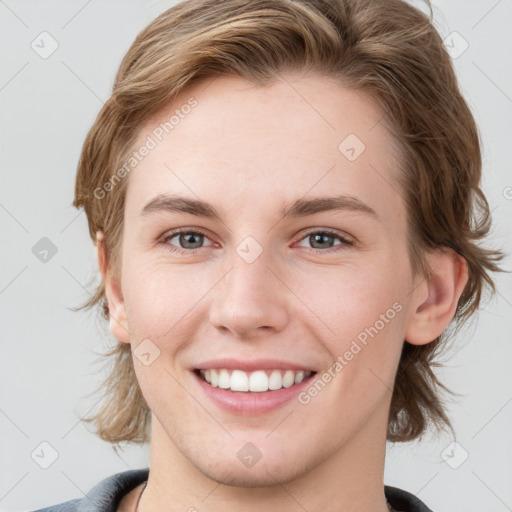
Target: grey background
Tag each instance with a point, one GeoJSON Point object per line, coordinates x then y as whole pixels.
{"type": "Point", "coordinates": [48, 352]}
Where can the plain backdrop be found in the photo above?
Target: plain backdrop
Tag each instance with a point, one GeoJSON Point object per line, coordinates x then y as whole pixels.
{"type": "Point", "coordinates": [50, 93]}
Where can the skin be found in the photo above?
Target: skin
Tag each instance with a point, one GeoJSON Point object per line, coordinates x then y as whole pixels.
{"type": "Point", "coordinates": [249, 151]}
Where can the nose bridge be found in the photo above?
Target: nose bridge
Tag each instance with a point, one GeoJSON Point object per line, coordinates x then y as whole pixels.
{"type": "Point", "coordinates": [250, 296]}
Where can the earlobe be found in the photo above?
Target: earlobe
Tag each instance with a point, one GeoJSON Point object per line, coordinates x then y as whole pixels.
{"type": "Point", "coordinates": [116, 306]}
{"type": "Point", "coordinates": [436, 297]}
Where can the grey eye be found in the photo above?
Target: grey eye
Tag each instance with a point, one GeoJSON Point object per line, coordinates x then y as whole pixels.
{"type": "Point", "coordinates": [190, 240]}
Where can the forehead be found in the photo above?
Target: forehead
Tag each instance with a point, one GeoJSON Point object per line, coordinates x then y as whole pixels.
{"type": "Point", "coordinates": [231, 142]}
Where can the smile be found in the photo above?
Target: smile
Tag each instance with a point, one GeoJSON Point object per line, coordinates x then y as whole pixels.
{"type": "Point", "coordinates": [258, 381]}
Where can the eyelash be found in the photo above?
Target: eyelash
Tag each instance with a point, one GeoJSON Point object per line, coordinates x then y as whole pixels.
{"type": "Point", "coordinates": [345, 242]}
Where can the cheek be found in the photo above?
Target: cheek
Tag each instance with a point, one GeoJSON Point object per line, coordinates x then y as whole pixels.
{"type": "Point", "coordinates": [361, 311]}
{"type": "Point", "coordinates": [349, 300]}
{"type": "Point", "coordinates": [159, 296]}
{"type": "Point", "coordinates": [160, 300]}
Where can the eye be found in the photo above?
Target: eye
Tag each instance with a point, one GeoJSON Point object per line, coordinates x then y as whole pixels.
{"type": "Point", "coordinates": [189, 241]}
{"type": "Point", "coordinates": [323, 240]}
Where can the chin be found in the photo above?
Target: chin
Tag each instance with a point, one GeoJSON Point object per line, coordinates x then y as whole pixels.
{"type": "Point", "coordinates": [263, 476]}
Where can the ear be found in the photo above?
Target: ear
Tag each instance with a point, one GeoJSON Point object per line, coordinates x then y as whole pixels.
{"type": "Point", "coordinates": [117, 311]}
{"type": "Point", "coordinates": [435, 298]}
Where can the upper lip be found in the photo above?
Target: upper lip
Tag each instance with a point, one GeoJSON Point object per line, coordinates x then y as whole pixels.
{"type": "Point", "coordinates": [252, 365]}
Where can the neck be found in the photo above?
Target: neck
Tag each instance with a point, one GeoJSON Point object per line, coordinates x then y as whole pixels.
{"type": "Point", "coordinates": [351, 478]}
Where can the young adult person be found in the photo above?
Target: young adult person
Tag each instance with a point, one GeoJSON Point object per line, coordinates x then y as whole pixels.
{"type": "Point", "coordinates": [285, 199]}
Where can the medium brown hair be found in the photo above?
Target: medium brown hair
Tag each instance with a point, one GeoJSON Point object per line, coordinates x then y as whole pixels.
{"type": "Point", "coordinates": [386, 49]}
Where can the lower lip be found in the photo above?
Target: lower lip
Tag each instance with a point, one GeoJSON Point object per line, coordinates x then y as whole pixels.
{"type": "Point", "coordinates": [251, 403]}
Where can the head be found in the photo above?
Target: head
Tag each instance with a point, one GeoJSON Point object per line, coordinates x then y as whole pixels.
{"type": "Point", "coordinates": [251, 107]}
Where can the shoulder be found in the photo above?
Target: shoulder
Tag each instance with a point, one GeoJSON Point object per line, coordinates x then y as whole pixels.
{"type": "Point", "coordinates": [105, 495]}
{"type": "Point", "coordinates": [66, 506]}
{"type": "Point", "coordinates": [404, 501]}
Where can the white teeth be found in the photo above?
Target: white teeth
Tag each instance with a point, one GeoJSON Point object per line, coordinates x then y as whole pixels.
{"type": "Point", "coordinates": [214, 376]}
{"type": "Point", "coordinates": [275, 381]}
{"type": "Point", "coordinates": [224, 379]}
{"type": "Point", "coordinates": [288, 379]}
{"type": "Point", "coordinates": [239, 381]}
{"type": "Point", "coordinates": [299, 376]}
{"type": "Point", "coordinates": [258, 381]}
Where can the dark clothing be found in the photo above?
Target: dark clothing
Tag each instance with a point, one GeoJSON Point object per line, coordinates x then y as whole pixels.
{"type": "Point", "coordinates": [106, 495]}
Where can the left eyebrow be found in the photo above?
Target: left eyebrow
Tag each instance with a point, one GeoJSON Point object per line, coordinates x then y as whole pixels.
{"type": "Point", "coordinates": [299, 208]}
{"type": "Point", "coordinates": [303, 207]}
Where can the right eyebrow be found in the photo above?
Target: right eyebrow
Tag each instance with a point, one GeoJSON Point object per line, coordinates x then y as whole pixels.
{"type": "Point", "coordinates": [173, 203]}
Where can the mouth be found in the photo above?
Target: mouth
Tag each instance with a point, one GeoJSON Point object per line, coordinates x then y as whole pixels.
{"type": "Point", "coordinates": [258, 381]}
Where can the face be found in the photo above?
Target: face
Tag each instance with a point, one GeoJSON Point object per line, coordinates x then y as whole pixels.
{"type": "Point", "coordinates": [266, 281]}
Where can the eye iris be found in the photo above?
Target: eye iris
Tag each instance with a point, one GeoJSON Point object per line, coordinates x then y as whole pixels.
{"type": "Point", "coordinates": [189, 238]}
{"type": "Point", "coordinates": [320, 238]}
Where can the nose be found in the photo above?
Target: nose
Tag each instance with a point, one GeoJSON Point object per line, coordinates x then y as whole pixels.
{"type": "Point", "coordinates": [251, 300]}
